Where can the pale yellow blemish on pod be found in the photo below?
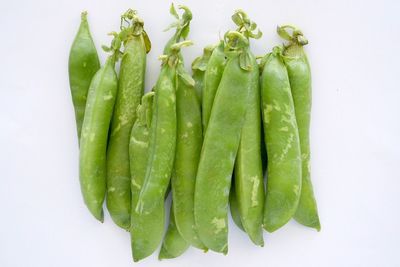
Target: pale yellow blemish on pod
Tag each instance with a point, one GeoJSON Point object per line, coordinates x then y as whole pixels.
{"type": "Point", "coordinates": [219, 224]}
{"type": "Point", "coordinates": [284, 129]}
{"type": "Point", "coordinates": [107, 97]}
{"type": "Point", "coordinates": [254, 189]}
{"type": "Point", "coordinates": [189, 124]}
{"type": "Point", "coordinates": [162, 130]}
{"type": "Point", "coordinates": [91, 137]}
{"type": "Point", "coordinates": [140, 143]}
{"type": "Point", "coordinates": [136, 184]}
{"type": "Point", "coordinates": [267, 111]}
{"type": "Point", "coordinates": [111, 189]}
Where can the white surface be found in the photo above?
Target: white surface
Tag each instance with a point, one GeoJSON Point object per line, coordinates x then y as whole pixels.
{"type": "Point", "coordinates": [354, 55]}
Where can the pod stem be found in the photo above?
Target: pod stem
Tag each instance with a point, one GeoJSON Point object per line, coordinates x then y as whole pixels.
{"type": "Point", "coordinates": [173, 57]}
{"type": "Point", "coordinates": [292, 34]}
{"type": "Point", "coordinates": [246, 26]}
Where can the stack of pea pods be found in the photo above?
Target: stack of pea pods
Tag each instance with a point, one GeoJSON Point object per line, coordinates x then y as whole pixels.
{"type": "Point", "coordinates": [234, 134]}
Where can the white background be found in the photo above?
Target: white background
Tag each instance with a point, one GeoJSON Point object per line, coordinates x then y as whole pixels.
{"type": "Point", "coordinates": [353, 50]}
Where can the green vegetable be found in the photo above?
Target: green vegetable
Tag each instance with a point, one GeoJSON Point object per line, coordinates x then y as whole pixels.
{"type": "Point", "coordinates": [199, 66]}
{"type": "Point", "coordinates": [173, 245]}
{"type": "Point", "coordinates": [130, 91]}
{"type": "Point", "coordinates": [99, 109]}
{"type": "Point", "coordinates": [220, 145]}
{"type": "Point", "coordinates": [283, 145]}
{"type": "Point", "coordinates": [212, 77]}
{"type": "Point", "coordinates": [188, 148]}
{"type": "Point", "coordinates": [146, 229]}
{"type": "Point", "coordinates": [249, 180]}
{"type": "Point", "coordinates": [162, 135]}
{"type": "Point", "coordinates": [83, 63]}
{"type": "Point", "coordinates": [300, 82]}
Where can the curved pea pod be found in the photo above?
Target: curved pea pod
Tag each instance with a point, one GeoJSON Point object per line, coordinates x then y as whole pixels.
{"type": "Point", "coordinates": [92, 157]}
{"type": "Point", "coordinates": [300, 82]}
{"type": "Point", "coordinates": [283, 144]}
{"type": "Point", "coordinates": [188, 148]}
{"type": "Point", "coordinates": [199, 66]}
{"type": "Point", "coordinates": [234, 207]}
{"type": "Point", "coordinates": [174, 244]}
{"type": "Point", "coordinates": [220, 145]}
{"type": "Point", "coordinates": [162, 134]}
{"type": "Point", "coordinates": [212, 78]}
{"type": "Point", "coordinates": [130, 91]}
{"type": "Point", "coordinates": [83, 63]}
{"type": "Point", "coordinates": [249, 180]}
{"type": "Point", "coordinates": [146, 230]}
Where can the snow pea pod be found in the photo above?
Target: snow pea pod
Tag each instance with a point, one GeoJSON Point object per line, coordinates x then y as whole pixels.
{"type": "Point", "coordinates": [146, 230]}
{"type": "Point", "coordinates": [83, 63]}
{"type": "Point", "coordinates": [162, 134]}
{"type": "Point", "coordinates": [92, 156]}
{"type": "Point", "coordinates": [212, 77]}
{"type": "Point", "coordinates": [130, 91]}
{"type": "Point", "coordinates": [283, 144]}
{"type": "Point", "coordinates": [220, 145]}
{"type": "Point", "coordinates": [299, 72]}
{"type": "Point", "coordinates": [249, 180]}
{"type": "Point", "coordinates": [199, 66]}
{"type": "Point", "coordinates": [188, 148]}
{"type": "Point", "coordinates": [174, 244]}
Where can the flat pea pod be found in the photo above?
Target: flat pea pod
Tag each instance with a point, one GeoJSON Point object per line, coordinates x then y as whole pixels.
{"type": "Point", "coordinates": [130, 91]}
{"type": "Point", "coordinates": [220, 145]}
{"type": "Point", "coordinates": [282, 141]}
{"type": "Point", "coordinates": [299, 72]}
{"type": "Point", "coordinates": [234, 207]}
{"type": "Point", "coordinates": [188, 148]}
{"type": "Point", "coordinates": [146, 230]}
{"type": "Point", "coordinates": [249, 179]}
{"type": "Point", "coordinates": [174, 244]}
{"type": "Point", "coordinates": [83, 63]}
{"type": "Point", "coordinates": [92, 157]}
{"type": "Point", "coordinates": [162, 134]}
{"type": "Point", "coordinates": [212, 78]}
{"type": "Point", "coordinates": [199, 66]}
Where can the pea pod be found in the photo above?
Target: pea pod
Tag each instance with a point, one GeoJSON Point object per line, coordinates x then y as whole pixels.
{"type": "Point", "coordinates": [300, 82]}
{"type": "Point", "coordinates": [130, 91]}
{"type": "Point", "coordinates": [146, 230]}
{"type": "Point", "coordinates": [98, 113]}
{"type": "Point", "coordinates": [249, 180]}
{"type": "Point", "coordinates": [283, 144]}
{"type": "Point", "coordinates": [220, 145]}
{"type": "Point", "coordinates": [199, 66]}
{"type": "Point", "coordinates": [212, 78]}
{"type": "Point", "coordinates": [188, 148]}
{"type": "Point", "coordinates": [174, 244]}
{"type": "Point", "coordinates": [162, 135]}
{"type": "Point", "coordinates": [83, 64]}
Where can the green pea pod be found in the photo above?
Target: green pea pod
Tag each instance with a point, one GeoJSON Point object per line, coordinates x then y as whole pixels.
{"type": "Point", "coordinates": [249, 180]}
{"type": "Point", "coordinates": [300, 82]}
{"type": "Point", "coordinates": [283, 145]}
{"type": "Point", "coordinates": [83, 64]}
{"type": "Point", "coordinates": [212, 78]}
{"type": "Point", "coordinates": [220, 145]}
{"type": "Point", "coordinates": [234, 207]}
{"type": "Point", "coordinates": [174, 244]}
{"type": "Point", "coordinates": [188, 148]}
{"type": "Point", "coordinates": [130, 91]}
{"type": "Point", "coordinates": [92, 158]}
{"type": "Point", "coordinates": [162, 135]}
{"type": "Point", "coordinates": [199, 66]}
{"type": "Point", "coordinates": [146, 230]}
